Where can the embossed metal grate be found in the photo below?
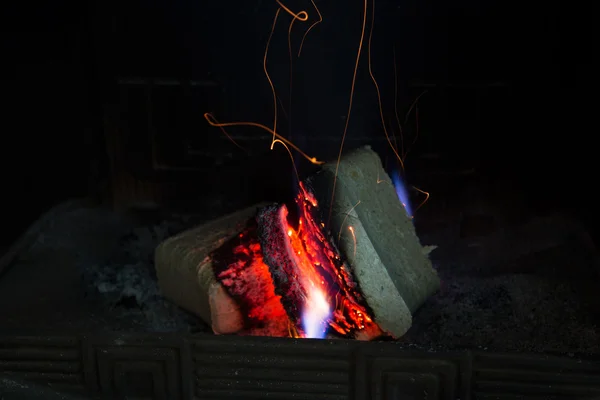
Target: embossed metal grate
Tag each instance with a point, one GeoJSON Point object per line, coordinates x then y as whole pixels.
{"type": "Point", "coordinates": [213, 367]}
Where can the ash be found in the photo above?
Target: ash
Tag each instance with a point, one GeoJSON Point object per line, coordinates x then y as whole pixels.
{"type": "Point", "coordinates": [127, 284]}
{"type": "Point", "coordinates": [92, 269]}
{"type": "Point", "coordinates": [513, 279]}
{"type": "Point", "coordinates": [507, 313]}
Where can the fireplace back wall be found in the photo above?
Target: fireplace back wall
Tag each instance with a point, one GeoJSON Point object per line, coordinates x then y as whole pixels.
{"type": "Point", "coordinates": [491, 103]}
{"type": "Point", "coordinates": [204, 60]}
{"type": "Point", "coordinates": [134, 79]}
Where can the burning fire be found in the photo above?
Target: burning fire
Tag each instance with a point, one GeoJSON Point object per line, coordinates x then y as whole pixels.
{"type": "Point", "coordinates": [240, 267]}
{"type": "Point", "coordinates": [331, 296]}
{"type": "Point", "coordinates": [316, 307]}
{"type": "Point", "coordinates": [279, 271]}
{"type": "Point", "coordinates": [401, 192]}
{"type": "Point", "coordinates": [316, 313]}
{"type": "Point", "coordinates": [302, 276]}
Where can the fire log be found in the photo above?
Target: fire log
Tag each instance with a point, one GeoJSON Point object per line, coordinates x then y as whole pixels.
{"type": "Point", "coordinates": [184, 268]}
{"type": "Point", "coordinates": [316, 286]}
{"type": "Point", "coordinates": [377, 237]}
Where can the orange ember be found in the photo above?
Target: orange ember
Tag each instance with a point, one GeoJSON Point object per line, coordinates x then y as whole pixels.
{"type": "Point", "coordinates": [241, 270]}
{"type": "Point", "coordinates": [320, 263]}
{"type": "Point", "coordinates": [291, 280]}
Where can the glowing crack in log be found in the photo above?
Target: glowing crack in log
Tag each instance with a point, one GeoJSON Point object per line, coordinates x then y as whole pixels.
{"type": "Point", "coordinates": [186, 272]}
{"type": "Point", "coordinates": [238, 265]}
{"type": "Point", "coordinates": [314, 283]}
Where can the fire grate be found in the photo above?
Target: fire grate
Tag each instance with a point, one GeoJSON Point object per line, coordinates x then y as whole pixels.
{"type": "Point", "coordinates": [229, 367]}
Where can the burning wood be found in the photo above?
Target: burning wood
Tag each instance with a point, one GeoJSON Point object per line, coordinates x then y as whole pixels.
{"type": "Point", "coordinates": [239, 266]}
{"type": "Point", "coordinates": [186, 274]}
{"type": "Point", "coordinates": [314, 283]}
{"type": "Point", "coordinates": [280, 275]}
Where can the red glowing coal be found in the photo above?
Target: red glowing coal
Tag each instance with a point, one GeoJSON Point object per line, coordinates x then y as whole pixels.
{"type": "Point", "coordinates": [290, 279]}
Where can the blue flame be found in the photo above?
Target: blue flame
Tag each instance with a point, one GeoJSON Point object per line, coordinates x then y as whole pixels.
{"type": "Point", "coordinates": [315, 315]}
{"type": "Point", "coordinates": [401, 192]}
{"type": "Point", "coordinates": [314, 327]}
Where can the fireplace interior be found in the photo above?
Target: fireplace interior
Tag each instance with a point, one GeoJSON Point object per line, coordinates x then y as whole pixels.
{"type": "Point", "coordinates": [148, 254]}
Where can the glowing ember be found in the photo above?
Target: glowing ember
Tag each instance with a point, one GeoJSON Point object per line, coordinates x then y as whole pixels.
{"type": "Point", "coordinates": [315, 286]}
{"type": "Point", "coordinates": [289, 279]}
{"type": "Point", "coordinates": [239, 266]}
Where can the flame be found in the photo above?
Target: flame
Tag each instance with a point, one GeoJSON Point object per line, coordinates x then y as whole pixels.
{"type": "Point", "coordinates": [316, 309]}
{"type": "Point", "coordinates": [240, 267]}
{"type": "Point", "coordinates": [318, 292]}
{"type": "Point", "coordinates": [303, 16]}
{"type": "Point", "coordinates": [331, 297]}
{"type": "Point", "coordinates": [316, 313]}
{"type": "Point", "coordinates": [401, 192]}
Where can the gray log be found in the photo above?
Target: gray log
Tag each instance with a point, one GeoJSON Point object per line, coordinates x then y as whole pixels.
{"type": "Point", "coordinates": [377, 238]}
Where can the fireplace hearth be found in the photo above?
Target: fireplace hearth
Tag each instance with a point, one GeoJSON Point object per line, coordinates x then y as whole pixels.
{"type": "Point", "coordinates": [515, 315]}
{"type": "Point", "coordinates": [186, 367]}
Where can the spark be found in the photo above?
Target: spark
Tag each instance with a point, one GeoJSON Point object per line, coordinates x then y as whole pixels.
{"type": "Point", "coordinates": [351, 229]}
{"type": "Point", "coordinates": [426, 197]}
{"type": "Point", "coordinates": [291, 157]}
{"type": "Point", "coordinates": [269, 78]}
{"type": "Point", "coordinates": [311, 27]}
{"type": "Point", "coordinates": [213, 122]}
{"type": "Point", "coordinates": [291, 77]}
{"type": "Point", "coordinates": [346, 217]}
{"type": "Point", "coordinates": [227, 135]}
{"type": "Point", "coordinates": [400, 158]}
{"type": "Point", "coordinates": [416, 107]}
{"type": "Point", "coordinates": [379, 180]}
{"type": "Point", "coordinates": [379, 102]}
{"type": "Point", "coordinates": [396, 105]}
{"type": "Point", "coordinates": [302, 15]}
{"type": "Point", "coordinates": [358, 54]}
{"type": "Point", "coordinates": [277, 138]}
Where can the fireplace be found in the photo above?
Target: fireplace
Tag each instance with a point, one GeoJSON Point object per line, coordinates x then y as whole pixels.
{"type": "Point", "coordinates": [508, 320]}
{"type": "Point", "coordinates": [124, 301]}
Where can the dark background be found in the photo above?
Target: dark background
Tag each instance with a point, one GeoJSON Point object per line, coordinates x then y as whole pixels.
{"type": "Point", "coordinates": [62, 98]}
